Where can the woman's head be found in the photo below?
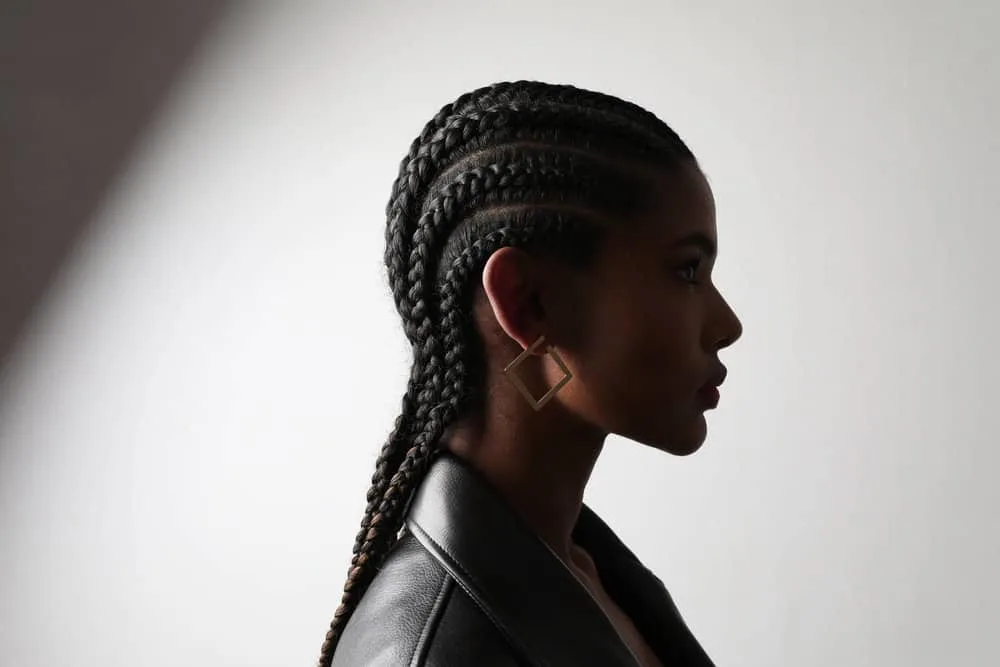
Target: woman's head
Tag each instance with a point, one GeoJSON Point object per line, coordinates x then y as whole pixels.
{"type": "Point", "coordinates": [640, 327]}
{"type": "Point", "coordinates": [526, 209]}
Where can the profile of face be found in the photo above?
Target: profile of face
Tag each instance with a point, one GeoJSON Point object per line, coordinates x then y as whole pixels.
{"type": "Point", "coordinates": [641, 329]}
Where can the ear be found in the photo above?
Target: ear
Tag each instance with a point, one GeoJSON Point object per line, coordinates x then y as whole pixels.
{"type": "Point", "coordinates": [511, 280]}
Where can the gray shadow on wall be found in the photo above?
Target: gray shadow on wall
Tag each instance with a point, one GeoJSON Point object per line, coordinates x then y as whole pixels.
{"type": "Point", "coordinates": [79, 83]}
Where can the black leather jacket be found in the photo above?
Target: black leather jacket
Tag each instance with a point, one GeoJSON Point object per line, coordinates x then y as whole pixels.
{"type": "Point", "coordinates": [469, 585]}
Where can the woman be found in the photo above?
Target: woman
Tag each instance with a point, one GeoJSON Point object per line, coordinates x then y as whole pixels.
{"type": "Point", "coordinates": [550, 251]}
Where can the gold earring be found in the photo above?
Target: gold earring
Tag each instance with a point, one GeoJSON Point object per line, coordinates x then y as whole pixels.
{"type": "Point", "coordinates": [517, 382]}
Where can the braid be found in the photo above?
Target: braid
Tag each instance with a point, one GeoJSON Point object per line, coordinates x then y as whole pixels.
{"type": "Point", "coordinates": [514, 164]}
{"type": "Point", "coordinates": [518, 120]}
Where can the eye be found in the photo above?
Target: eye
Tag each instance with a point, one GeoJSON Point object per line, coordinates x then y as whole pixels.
{"type": "Point", "coordinates": [689, 271]}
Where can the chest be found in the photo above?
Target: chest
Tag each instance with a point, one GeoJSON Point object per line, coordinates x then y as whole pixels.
{"type": "Point", "coordinates": [631, 635]}
{"type": "Point", "coordinates": [623, 624]}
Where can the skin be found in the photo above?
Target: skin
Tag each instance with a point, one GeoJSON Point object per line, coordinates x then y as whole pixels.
{"type": "Point", "coordinates": [641, 331]}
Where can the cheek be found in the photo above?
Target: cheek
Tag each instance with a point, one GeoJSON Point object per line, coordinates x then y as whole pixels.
{"type": "Point", "coordinates": [634, 351]}
{"type": "Point", "coordinates": [658, 364]}
{"type": "Point", "coordinates": [634, 358]}
{"type": "Point", "coordinates": [661, 341]}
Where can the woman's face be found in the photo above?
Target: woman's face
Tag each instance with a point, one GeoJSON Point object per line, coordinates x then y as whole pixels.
{"type": "Point", "coordinates": [643, 329]}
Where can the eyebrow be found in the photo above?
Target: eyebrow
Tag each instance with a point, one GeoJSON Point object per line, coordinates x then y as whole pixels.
{"type": "Point", "coordinates": [698, 240]}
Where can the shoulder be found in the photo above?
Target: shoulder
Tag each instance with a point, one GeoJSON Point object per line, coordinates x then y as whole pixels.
{"type": "Point", "coordinates": [415, 614]}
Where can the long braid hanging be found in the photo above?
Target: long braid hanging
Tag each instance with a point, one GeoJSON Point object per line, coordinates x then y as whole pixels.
{"type": "Point", "coordinates": [397, 211]}
{"type": "Point", "coordinates": [533, 137]}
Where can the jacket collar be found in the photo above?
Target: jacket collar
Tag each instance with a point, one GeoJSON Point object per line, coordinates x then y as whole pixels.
{"type": "Point", "coordinates": [532, 597]}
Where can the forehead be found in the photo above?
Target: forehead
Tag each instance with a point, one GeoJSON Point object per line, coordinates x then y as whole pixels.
{"type": "Point", "coordinates": [682, 204]}
{"type": "Point", "coordinates": [679, 215]}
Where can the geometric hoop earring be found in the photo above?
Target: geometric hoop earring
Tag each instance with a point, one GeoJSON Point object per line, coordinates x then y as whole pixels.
{"type": "Point", "coordinates": [510, 372]}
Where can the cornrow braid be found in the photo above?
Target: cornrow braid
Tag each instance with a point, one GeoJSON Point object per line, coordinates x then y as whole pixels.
{"type": "Point", "coordinates": [527, 164]}
{"type": "Point", "coordinates": [519, 120]}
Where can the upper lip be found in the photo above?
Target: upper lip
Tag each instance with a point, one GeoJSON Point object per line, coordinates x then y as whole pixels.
{"type": "Point", "coordinates": [717, 378]}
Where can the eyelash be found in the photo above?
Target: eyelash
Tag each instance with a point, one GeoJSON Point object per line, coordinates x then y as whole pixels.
{"type": "Point", "coordinates": [693, 266]}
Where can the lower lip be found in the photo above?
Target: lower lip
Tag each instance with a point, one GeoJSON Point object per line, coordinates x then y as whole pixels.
{"type": "Point", "coordinates": [711, 396]}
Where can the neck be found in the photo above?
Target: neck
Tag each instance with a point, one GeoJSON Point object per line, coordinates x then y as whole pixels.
{"type": "Point", "coordinates": [539, 467]}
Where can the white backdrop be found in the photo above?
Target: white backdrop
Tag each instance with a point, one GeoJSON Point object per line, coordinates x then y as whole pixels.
{"type": "Point", "coordinates": [188, 431]}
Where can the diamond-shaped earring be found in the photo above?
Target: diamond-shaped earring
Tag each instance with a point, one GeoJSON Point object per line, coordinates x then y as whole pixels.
{"type": "Point", "coordinates": [509, 371]}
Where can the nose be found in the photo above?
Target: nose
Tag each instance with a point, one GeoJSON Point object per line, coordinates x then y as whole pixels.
{"type": "Point", "coordinates": [727, 327]}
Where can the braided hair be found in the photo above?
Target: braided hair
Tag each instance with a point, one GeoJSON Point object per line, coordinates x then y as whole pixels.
{"type": "Point", "coordinates": [527, 164]}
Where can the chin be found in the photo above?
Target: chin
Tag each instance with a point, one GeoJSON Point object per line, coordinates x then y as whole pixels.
{"type": "Point", "coordinates": [684, 441]}
{"type": "Point", "coordinates": [686, 450]}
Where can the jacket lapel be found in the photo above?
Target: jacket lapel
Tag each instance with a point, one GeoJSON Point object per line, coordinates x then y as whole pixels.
{"type": "Point", "coordinates": [531, 596]}
{"type": "Point", "coordinates": [640, 593]}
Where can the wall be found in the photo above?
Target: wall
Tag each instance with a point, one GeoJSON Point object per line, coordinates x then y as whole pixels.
{"type": "Point", "coordinates": [188, 427]}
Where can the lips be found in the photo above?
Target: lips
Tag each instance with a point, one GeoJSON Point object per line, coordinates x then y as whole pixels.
{"type": "Point", "coordinates": [709, 393]}
{"type": "Point", "coordinates": [709, 396]}
{"type": "Point", "coordinates": [718, 377]}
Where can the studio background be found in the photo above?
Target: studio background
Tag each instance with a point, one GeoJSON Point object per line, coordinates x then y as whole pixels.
{"type": "Point", "coordinates": [189, 417]}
